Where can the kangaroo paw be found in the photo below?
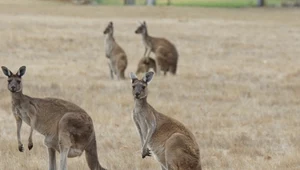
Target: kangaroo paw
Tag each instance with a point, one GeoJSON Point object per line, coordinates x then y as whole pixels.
{"type": "Point", "coordinates": [30, 146]}
{"type": "Point", "coordinates": [21, 148]}
{"type": "Point", "coordinates": [147, 153]}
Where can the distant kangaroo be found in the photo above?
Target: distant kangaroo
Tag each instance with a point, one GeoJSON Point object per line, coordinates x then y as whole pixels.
{"type": "Point", "coordinates": [172, 144]}
{"type": "Point", "coordinates": [115, 54]}
{"type": "Point", "coordinates": [145, 64]}
{"type": "Point", "coordinates": [165, 52]}
{"type": "Point", "coordinates": [67, 128]}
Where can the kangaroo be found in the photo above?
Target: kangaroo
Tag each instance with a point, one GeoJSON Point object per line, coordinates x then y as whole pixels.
{"type": "Point", "coordinates": [165, 52]}
{"type": "Point", "coordinates": [145, 64]}
{"type": "Point", "coordinates": [67, 128]}
{"type": "Point", "coordinates": [171, 143]}
{"type": "Point", "coordinates": [116, 55]}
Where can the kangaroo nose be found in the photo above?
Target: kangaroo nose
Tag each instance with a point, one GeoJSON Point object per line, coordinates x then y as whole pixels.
{"type": "Point", "coordinates": [13, 88]}
{"type": "Point", "coordinates": [137, 93]}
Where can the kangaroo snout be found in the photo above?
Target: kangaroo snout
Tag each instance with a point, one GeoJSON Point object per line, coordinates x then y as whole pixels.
{"type": "Point", "coordinates": [13, 88]}
{"type": "Point", "coordinates": [137, 94]}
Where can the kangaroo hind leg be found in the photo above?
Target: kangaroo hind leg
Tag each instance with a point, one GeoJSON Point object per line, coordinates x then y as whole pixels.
{"type": "Point", "coordinates": [111, 70]}
{"type": "Point", "coordinates": [52, 159]}
{"type": "Point", "coordinates": [122, 64]}
{"type": "Point", "coordinates": [65, 139]}
{"type": "Point", "coordinates": [64, 147]}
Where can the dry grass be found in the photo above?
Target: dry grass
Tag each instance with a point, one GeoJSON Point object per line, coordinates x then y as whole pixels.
{"type": "Point", "coordinates": [237, 88]}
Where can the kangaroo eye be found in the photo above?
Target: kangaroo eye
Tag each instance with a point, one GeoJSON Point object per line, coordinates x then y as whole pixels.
{"type": "Point", "coordinates": [9, 81]}
{"type": "Point", "coordinates": [18, 81]}
{"type": "Point", "coordinates": [133, 87]}
{"type": "Point", "coordinates": [144, 87]}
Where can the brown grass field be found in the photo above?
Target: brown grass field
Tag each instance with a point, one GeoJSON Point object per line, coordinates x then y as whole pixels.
{"type": "Point", "coordinates": [237, 88]}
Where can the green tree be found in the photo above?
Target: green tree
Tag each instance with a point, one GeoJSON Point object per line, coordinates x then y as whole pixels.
{"type": "Point", "coordinates": [129, 2]}
{"type": "Point", "coordinates": [260, 2]}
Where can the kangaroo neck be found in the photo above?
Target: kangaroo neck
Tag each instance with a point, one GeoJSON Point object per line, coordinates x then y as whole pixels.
{"type": "Point", "coordinates": [17, 96]}
{"type": "Point", "coordinates": [109, 44]}
{"type": "Point", "coordinates": [145, 36]}
{"type": "Point", "coordinates": [110, 38]}
{"type": "Point", "coordinates": [140, 103]}
{"type": "Point", "coordinates": [147, 40]}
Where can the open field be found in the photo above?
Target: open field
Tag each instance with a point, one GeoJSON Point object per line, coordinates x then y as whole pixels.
{"type": "Point", "coordinates": [237, 88]}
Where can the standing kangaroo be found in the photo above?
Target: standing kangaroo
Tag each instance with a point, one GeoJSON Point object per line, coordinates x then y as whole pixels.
{"type": "Point", "coordinates": [67, 128]}
{"type": "Point", "coordinates": [172, 144]}
{"type": "Point", "coordinates": [116, 55]}
{"type": "Point", "coordinates": [165, 52]}
{"type": "Point", "coordinates": [145, 64]}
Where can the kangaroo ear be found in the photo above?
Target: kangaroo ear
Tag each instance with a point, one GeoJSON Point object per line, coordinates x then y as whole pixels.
{"type": "Point", "coordinates": [144, 23]}
{"type": "Point", "coordinates": [111, 23]}
{"type": "Point", "coordinates": [148, 77]}
{"type": "Point", "coordinates": [6, 71]}
{"type": "Point", "coordinates": [133, 77]}
{"type": "Point", "coordinates": [21, 71]}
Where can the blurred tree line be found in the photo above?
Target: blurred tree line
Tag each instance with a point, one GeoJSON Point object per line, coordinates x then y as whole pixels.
{"type": "Point", "coordinates": [259, 3]}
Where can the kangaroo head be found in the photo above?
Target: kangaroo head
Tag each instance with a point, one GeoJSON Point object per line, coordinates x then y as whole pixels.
{"type": "Point", "coordinates": [109, 29]}
{"type": "Point", "coordinates": [14, 80]}
{"type": "Point", "coordinates": [139, 87]}
{"type": "Point", "coordinates": [142, 29]}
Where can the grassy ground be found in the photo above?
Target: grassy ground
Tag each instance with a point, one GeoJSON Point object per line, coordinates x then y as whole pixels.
{"type": "Point", "coordinates": [237, 87]}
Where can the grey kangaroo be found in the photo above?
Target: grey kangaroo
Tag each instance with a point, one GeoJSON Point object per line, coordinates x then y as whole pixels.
{"type": "Point", "coordinates": [165, 52]}
{"type": "Point", "coordinates": [115, 54]}
{"type": "Point", "coordinates": [171, 143]}
{"type": "Point", "coordinates": [67, 128]}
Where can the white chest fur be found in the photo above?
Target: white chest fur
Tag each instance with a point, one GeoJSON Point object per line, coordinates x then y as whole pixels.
{"type": "Point", "coordinates": [147, 43]}
{"type": "Point", "coordinates": [108, 45]}
{"type": "Point", "coordinates": [141, 121]}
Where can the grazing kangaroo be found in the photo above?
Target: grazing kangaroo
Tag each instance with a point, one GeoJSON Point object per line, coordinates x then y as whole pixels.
{"type": "Point", "coordinates": [145, 64]}
{"type": "Point", "coordinates": [115, 54]}
{"type": "Point", "coordinates": [172, 144]}
{"type": "Point", "coordinates": [165, 52]}
{"type": "Point", "coordinates": [67, 128]}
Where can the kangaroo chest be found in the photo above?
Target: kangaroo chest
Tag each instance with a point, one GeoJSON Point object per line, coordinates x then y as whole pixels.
{"type": "Point", "coordinates": [141, 121]}
{"type": "Point", "coordinates": [147, 43]}
{"type": "Point", "coordinates": [155, 146]}
{"type": "Point", "coordinates": [108, 47]}
{"type": "Point", "coordinates": [22, 113]}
